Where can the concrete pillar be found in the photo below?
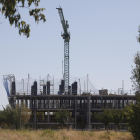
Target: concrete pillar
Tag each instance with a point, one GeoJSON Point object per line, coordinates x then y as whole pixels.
{"type": "Point", "coordinates": [53, 103]}
{"type": "Point", "coordinates": [80, 104]}
{"type": "Point", "coordinates": [75, 102]}
{"type": "Point", "coordinates": [34, 119]}
{"type": "Point", "coordinates": [89, 110]}
{"type": "Point", "coordinates": [69, 102]}
{"type": "Point", "coordinates": [118, 103]}
{"type": "Point", "coordinates": [48, 102]}
{"type": "Point", "coordinates": [105, 103]}
{"type": "Point", "coordinates": [18, 101]}
{"type": "Point", "coordinates": [114, 102]}
{"type": "Point", "coordinates": [60, 103]}
{"type": "Point", "coordinates": [127, 101]}
{"type": "Point", "coordinates": [92, 106]}
{"type": "Point", "coordinates": [35, 113]}
{"type": "Point", "coordinates": [96, 102]}
{"type": "Point", "coordinates": [57, 103]}
{"type": "Point", "coordinates": [32, 104]}
{"type": "Point", "coordinates": [44, 117]}
{"type": "Point", "coordinates": [22, 102]}
{"type": "Point", "coordinates": [122, 102]}
{"type": "Point", "coordinates": [48, 116]}
{"type": "Point", "coordinates": [26, 102]}
{"type": "Point", "coordinates": [110, 104]}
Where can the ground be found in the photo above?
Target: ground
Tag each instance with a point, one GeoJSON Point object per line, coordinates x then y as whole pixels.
{"type": "Point", "coordinates": [62, 135]}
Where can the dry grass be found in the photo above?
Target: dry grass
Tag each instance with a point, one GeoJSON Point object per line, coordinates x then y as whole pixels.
{"type": "Point", "coordinates": [63, 135]}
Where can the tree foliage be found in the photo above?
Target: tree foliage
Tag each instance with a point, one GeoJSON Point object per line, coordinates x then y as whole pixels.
{"type": "Point", "coordinates": [133, 111]}
{"type": "Point", "coordinates": [108, 115]}
{"type": "Point", "coordinates": [135, 78]}
{"type": "Point", "coordinates": [105, 117]}
{"type": "Point", "coordinates": [10, 10]}
{"type": "Point", "coordinates": [62, 116]}
{"type": "Point", "coordinates": [138, 37]}
{"type": "Point", "coordinates": [117, 116]}
{"type": "Point", "coordinates": [11, 116]}
{"type": "Point", "coordinates": [133, 119]}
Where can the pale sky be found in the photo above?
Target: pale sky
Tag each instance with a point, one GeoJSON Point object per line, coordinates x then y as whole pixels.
{"type": "Point", "coordinates": [103, 43]}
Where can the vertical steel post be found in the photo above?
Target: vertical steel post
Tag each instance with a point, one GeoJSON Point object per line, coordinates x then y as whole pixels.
{"type": "Point", "coordinates": [28, 84]}
{"type": "Point", "coordinates": [53, 85]}
{"type": "Point", "coordinates": [84, 87]}
{"type": "Point", "coordinates": [23, 85]}
{"type": "Point", "coordinates": [87, 83]}
{"type": "Point", "coordinates": [122, 86]}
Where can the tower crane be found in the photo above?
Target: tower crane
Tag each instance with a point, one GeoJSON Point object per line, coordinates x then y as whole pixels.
{"type": "Point", "coordinates": [66, 37]}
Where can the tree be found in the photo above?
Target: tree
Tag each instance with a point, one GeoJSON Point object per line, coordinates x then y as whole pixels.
{"type": "Point", "coordinates": [117, 117]}
{"type": "Point", "coordinates": [10, 10]}
{"type": "Point", "coordinates": [8, 116]}
{"type": "Point", "coordinates": [135, 78]}
{"type": "Point", "coordinates": [105, 117]}
{"type": "Point", "coordinates": [133, 119]}
{"type": "Point", "coordinates": [138, 37]}
{"type": "Point", "coordinates": [133, 111]}
{"type": "Point", "coordinates": [12, 116]}
{"type": "Point", "coordinates": [62, 116]}
{"type": "Point", "coordinates": [25, 113]}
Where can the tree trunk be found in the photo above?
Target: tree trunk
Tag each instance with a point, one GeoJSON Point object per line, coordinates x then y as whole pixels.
{"type": "Point", "coordinates": [62, 126]}
{"type": "Point", "coordinates": [116, 127]}
{"type": "Point", "coordinates": [107, 129]}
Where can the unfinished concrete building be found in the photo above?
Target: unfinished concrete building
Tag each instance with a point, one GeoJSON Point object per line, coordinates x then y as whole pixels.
{"type": "Point", "coordinates": [81, 105]}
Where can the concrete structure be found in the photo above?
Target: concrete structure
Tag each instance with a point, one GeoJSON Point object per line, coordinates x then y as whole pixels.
{"type": "Point", "coordinates": [80, 108]}
{"type": "Point", "coordinates": [43, 98]}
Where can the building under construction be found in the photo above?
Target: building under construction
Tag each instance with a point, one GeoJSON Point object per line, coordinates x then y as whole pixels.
{"type": "Point", "coordinates": [77, 95]}
{"type": "Point", "coordinates": [42, 96]}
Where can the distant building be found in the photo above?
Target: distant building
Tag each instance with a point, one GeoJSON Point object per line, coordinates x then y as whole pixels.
{"type": "Point", "coordinates": [103, 92]}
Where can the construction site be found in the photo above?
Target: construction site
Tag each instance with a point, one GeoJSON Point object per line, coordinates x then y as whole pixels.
{"type": "Point", "coordinates": [76, 94]}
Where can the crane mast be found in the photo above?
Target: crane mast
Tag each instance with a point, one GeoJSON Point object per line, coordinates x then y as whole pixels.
{"type": "Point", "coordinates": [66, 37]}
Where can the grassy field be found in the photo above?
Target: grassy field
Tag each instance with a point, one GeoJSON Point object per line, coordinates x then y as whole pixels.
{"type": "Point", "coordinates": [63, 135]}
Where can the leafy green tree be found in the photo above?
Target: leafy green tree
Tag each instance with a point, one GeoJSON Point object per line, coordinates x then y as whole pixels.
{"type": "Point", "coordinates": [133, 111]}
{"type": "Point", "coordinates": [105, 117]}
{"type": "Point", "coordinates": [133, 119]}
{"type": "Point", "coordinates": [8, 116]}
{"type": "Point", "coordinates": [117, 117]}
{"type": "Point", "coordinates": [135, 78]}
{"type": "Point", "coordinates": [10, 10]}
{"type": "Point", "coordinates": [12, 116]}
{"type": "Point", "coordinates": [138, 37]}
{"type": "Point", "coordinates": [62, 116]}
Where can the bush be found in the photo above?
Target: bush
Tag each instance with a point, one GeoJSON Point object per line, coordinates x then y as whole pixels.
{"type": "Point", "coordinates": [13, 116]}
{"type": "Point", "coordinates": [104, 118]}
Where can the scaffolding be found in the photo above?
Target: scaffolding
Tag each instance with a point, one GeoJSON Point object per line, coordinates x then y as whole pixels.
{"type": "Point", "coordinates": [51, 86]}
